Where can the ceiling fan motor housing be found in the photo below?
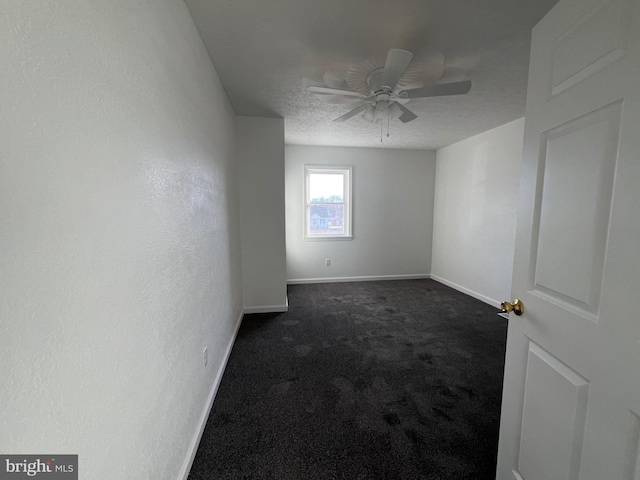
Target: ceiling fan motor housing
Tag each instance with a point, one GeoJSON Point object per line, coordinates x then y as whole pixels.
{"type": "Point", "coordinates": [374, 80]}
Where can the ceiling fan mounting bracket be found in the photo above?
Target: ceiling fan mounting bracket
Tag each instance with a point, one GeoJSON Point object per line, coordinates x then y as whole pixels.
{"type": "Point", "coordinates": [374, 81]}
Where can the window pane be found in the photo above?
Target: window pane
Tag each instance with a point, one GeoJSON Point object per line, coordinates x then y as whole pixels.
{"type": "Point", "coordinates": [326, 219]}
{"type": "Point", "coordinates": [326, 187]}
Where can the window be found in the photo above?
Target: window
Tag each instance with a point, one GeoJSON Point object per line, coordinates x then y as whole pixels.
{"type": "Point", "coordinates": [327, 196]}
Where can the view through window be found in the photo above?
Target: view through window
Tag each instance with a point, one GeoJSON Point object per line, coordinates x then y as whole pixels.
{"type": "Point", "coordinates": [327, 195]}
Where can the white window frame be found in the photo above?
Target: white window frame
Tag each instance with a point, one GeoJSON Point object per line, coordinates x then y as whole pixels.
{"type": "Point", "coordinates": [347, 173]}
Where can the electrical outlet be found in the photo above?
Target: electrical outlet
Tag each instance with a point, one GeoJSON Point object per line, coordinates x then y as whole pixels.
{"type": "Point", "coordinates": [205, 355]}
{"type": "Point", "coordinates": [327, 262]}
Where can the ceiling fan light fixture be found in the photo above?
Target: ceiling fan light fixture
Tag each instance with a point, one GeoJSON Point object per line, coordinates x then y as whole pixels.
{"type": "Point", "coordinates": [369, 114]}
{"type": "Point", "coordinates": [394, 110]}
{"type": "Point", "coordinates": [381, 109]}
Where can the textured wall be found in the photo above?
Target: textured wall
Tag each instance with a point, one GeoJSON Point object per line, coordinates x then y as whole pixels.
{"type": "Point", "coordinates": [119, 237]}
{"type": "Point", "coordinates": [477, 185]}
{"type": "Point", "coordinates": [392, 214]}
{"type": "Point", "coordinates": [261, 165]}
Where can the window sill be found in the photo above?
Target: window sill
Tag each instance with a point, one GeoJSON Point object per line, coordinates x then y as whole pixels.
{"type": "Point", "coordinates": [328, 238]}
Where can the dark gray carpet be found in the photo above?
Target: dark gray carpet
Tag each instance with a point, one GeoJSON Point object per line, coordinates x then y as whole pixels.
{"type": "Point", "coordinates": [371, 380]}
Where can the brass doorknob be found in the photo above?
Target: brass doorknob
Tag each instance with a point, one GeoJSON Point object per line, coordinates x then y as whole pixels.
{"type": "Point", "coordinates": [516, 307]}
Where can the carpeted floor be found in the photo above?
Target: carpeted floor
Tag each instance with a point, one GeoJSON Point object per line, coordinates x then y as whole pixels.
{"type": "Point", "coordinates": [371, 380]}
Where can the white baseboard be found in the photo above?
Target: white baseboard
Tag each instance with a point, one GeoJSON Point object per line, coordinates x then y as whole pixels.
{"type": "Point", "coordinates": [471, 293]}
{"type": "Point", "coordinates": [298, 281]}
{"type": "Point", "coordinates": [269, 308]}
{"type": "Point", "coordinates": [195, 442]}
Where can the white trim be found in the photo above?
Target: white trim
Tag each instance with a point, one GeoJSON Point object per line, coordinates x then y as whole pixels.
{"type": "Point", "coordinates": [269, 308]}
{"type": "Point", "coordinates": [299, 281]}
{"type": "Point", "coordinates": [471, 293]}
{"type": "Point", "coordinates": [324, 238]}
{"type": "Point", "coordinates": [195, 441]}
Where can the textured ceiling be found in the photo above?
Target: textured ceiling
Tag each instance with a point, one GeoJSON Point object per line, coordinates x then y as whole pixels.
{"type": "Point", "coordinates": [263, 49]}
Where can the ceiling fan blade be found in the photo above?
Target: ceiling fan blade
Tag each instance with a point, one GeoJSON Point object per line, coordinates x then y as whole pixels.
{"type": "Point", "coordinates": [397, 62]}
{"type": "Point", "coordinates": [333, 91]}
{"type": "Point", "coordinates": [456, 88]}
{"type": "Point", "coordinates": [352, 113]}
{"type": "Point", "coordinates": [452, 75]}
{"type": "Point", "coordinates": [306, 82]}
{"type": "Point", "coordinates": [407, 115]}
{"type": "Point", "coordinates": [339, 99]}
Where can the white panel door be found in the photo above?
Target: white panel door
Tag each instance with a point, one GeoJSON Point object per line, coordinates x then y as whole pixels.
{"type": "Point", "coordinates": [571, 400]}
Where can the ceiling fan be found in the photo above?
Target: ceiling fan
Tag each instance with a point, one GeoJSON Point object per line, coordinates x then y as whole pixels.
{"type": "Point", "coordinates": [384, 100]}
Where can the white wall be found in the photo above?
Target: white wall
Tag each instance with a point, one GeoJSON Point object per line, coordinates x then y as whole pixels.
{"type": "Point", "coordinates": [476, 196]}
{"type": "Point", "coordinates": [392, 215]}
{"type": "Point", "coordinates": [119, 237]}
{"type": "Point", "coordinates": [261, 160]}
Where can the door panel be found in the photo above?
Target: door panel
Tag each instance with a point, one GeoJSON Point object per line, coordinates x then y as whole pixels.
{"type": "Point", "coordinates": [551, 444]}
{"type": "Point", "coordinates": [590, 44]}
{"type": "Point", "coordinates": [632, 457]}
{"type": "Point", "coordinates": [579, 160]}
{"type": "Point", "coordinates": [571, 393]}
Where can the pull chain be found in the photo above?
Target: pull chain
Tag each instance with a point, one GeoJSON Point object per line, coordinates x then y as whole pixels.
{"type": "Point", "coordinates": [381, 123]}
